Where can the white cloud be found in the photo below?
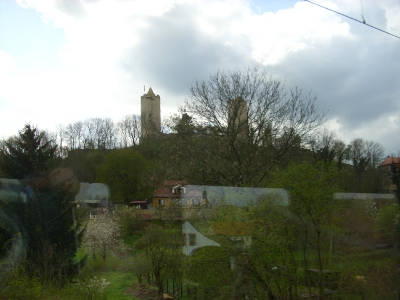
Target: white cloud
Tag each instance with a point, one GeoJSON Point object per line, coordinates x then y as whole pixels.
{"type": "Point", "coordinates": [276, 35]}
{"type": "Point", "coordinates": [7, 65]}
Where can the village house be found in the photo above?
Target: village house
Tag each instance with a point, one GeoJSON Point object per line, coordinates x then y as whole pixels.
{"type": "Point", "coordinates": [392, 164]}
{"type": "Point", "coordinates": [176, 192]}
{"type": "Point", "coordinates": [168, 193]}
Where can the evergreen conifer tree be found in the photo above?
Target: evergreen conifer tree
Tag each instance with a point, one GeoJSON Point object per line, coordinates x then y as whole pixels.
{"type": "Point", "coordinates": [28, 154]}
{"type": "Point", "coordinates": [46, 219]}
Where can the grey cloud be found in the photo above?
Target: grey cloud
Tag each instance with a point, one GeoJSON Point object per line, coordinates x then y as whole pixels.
{"type": "Point", "coordinates": [356, 79]}
{"type": "Point", "coordinates": [73, 8]}
{"type": "Point", "coordinates": [173, 51]}
{"type": "Point", "coordinates": [356, 88]}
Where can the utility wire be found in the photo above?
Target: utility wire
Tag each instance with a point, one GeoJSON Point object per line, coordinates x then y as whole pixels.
{"type": "Point", "coordinates": [362, 22]}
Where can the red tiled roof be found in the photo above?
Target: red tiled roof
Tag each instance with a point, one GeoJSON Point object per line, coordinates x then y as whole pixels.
{"type": "Point", "coordinates": [390, 160]}
{"type": "Point", "coordinates": [165, 190]}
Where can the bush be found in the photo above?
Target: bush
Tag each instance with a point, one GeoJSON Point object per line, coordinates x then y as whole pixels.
{"type": "Point", "coordinates": [129, 221]}
{"type": "Point", "coordinates": [93, 288]}
{"type": "Point", "coordinates": [385, 223]}
{"type": "Point", "coordinates": [17, 285]}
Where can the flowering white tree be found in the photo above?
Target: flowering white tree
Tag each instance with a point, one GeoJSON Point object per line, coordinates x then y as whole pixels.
{"type": "Point", "coordinates": [103, 235]}
{"type": "Point", "coordinates": [93, 289]}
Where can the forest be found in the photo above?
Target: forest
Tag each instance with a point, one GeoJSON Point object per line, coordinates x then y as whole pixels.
{"type": "Point", "coordinates": [239, 128]}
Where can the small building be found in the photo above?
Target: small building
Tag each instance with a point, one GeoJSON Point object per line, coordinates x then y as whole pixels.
{"type": "Point", "coordinates": [139, 204]}
{"type": "Point", "coordinates": [392, 164]}
{"type": "Point", "coordinates": [170, 192]}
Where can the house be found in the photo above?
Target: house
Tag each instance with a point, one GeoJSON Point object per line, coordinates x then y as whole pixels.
{"type": "Point", "coordinates": [168, 193]}
{"type": "Point", "coordinates": [191, 196]}
{"type": "Point", "coordinates": [393, 170]}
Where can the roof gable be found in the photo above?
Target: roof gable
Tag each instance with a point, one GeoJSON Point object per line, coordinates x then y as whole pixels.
{"type": "Point", "coordinates": [165, 190]}
{"type": "Point", "coordinates": [390, 160]}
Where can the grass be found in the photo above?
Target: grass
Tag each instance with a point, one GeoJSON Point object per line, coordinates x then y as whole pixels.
{"type": "Point", "coordinates": [119, 284]}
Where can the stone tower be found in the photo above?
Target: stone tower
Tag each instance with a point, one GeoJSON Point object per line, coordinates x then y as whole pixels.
{"type": "Point", "coordinates": [150, 114]}
{"type": "Point", "coordinates": [238, 123]}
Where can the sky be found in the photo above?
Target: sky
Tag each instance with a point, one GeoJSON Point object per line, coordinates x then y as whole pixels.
{"type": "Point", "coordinates": [63, 61]}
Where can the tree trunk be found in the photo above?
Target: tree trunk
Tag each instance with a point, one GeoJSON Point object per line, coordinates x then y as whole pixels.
{"type": "Point", "coordinates": [321, 270]}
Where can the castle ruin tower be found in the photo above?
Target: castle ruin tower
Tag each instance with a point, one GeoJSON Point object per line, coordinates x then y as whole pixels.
{"type": "Point", "coordinates": [150, 114]}
{"type": "Point", "coordinates": [238, 119]}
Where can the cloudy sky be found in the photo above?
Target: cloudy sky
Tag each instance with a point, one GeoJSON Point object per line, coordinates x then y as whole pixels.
{"type": "Point", "coordinates": [67, 60]}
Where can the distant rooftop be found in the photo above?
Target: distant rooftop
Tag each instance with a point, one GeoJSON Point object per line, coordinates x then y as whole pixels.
{"type": "Point", "coordinates": [390, 160]}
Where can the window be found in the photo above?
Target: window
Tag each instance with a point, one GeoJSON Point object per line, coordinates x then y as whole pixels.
{"type": "Point", "coordinates": [161, 202]}
{"type": "Point", "coordinates": [192, 239]}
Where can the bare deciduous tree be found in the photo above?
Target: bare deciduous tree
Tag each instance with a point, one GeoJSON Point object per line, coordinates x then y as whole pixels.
{"type": "Point", "coordinates": [240, 125]}
{"type": "Point", "coordinates": [328, 148]}
{"type": "Point", "coordinates": [364, 154]}
{"type": "Point", "coordinates": [129, 131]}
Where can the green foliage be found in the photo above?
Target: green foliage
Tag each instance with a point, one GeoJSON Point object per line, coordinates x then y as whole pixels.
{"type": "Point", "coordinates": [124, 172]}
{"type": "Point", "coordinates": [49, 222]}
{"type": "Point", "coordinates": [29, 154]}
{"type": "Point", "coordinates": [230, 213]}
{"type": "Point", "coordinates": [129, 220]}
{"type": "Point", "coordinates": [173, 212]}
{"type": "Point", "coordinates": [119, 284]}
{"type": "Point", "coordinates": [84, 162]}
{"type": "Point", "coordinates": [372, 275]}
{"type": "Point", "coordinates": [46, 219]}
{"type": "Point", "coordinates": [92, 289]}
{"type": "Point", "coordinates": [210, 267]}
{"type": "Point", "coordinates": [356, 219]}
{"type": "Point", "coordinates": [271, 265]}
{"type": "Point", "coordinates": [311, 188]}
{"type": "Point", "coordinates": [17, 285]}
{"type": "Point", "coordinates": [385, 223]}
{"type": "Point", "coordinates": [140, 266]}
{"type": "Point", "coordinates": [47, 225]}
{"type": "Point", "coordinates": [161, 249]}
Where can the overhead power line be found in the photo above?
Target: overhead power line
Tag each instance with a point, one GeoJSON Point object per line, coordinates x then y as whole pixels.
{"type": "Point", "coordinates": [362, 22]}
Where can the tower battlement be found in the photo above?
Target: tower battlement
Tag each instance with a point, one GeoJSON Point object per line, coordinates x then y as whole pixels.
{"type": "Point", "coordinates": [150, 113]}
